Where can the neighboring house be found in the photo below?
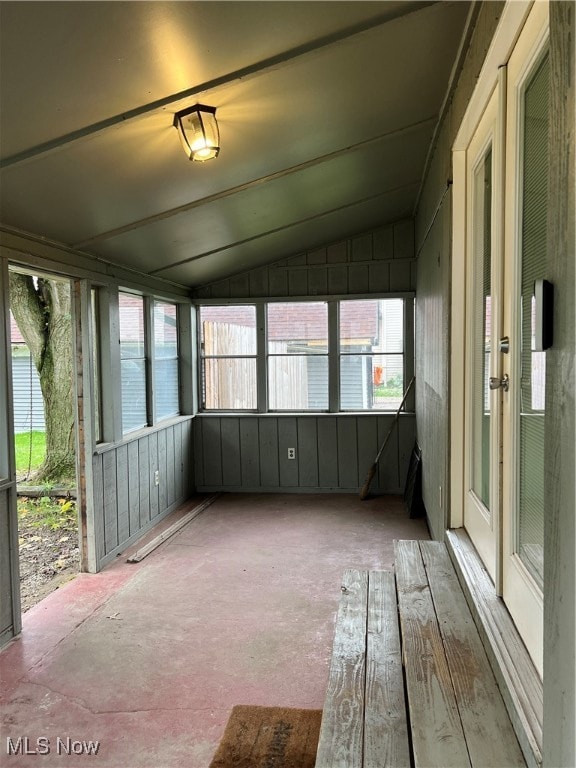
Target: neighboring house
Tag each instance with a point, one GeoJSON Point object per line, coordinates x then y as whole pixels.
{"type": "Point", "coordinates": [28, 402]}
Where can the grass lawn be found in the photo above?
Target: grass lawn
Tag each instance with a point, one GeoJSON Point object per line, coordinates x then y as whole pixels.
{"type": "Point", "coordinates": [22, 442]}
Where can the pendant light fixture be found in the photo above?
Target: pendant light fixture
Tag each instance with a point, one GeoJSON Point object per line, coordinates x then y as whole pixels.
{"type": "Point", "coordinates": [198, 131]}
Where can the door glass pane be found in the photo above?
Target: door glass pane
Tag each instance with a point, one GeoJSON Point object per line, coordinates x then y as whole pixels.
{"type": "Point", "coordinates": [530, 523]}
{"type": "Point", "coordinates": [481, 330]}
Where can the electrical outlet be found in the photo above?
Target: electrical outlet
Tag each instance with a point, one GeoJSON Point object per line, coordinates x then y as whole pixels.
{"type": "Point", "coordinates": [291, 453]}
{"type": "Point", "coordinates": [156, 478]}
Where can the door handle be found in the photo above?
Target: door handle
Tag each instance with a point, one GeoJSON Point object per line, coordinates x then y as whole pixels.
{"type": "Point", "coordinates": [503, 383]}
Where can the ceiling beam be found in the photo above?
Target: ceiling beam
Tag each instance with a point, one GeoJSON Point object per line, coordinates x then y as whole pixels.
{"type": "Point", "coordinates": [284, 227]}
{"type": "Point", "coordinates": [252, 70]}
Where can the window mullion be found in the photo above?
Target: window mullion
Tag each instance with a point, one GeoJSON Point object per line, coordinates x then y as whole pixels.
{"type": "Point", "coordinates": [149, 358]}
{"type": "Point", "coordinates": [408, 351]}
{"type": "Point", "coordinates": [261, 359]}
{"type": "Point", "coordinates": [187, 368]}
{"type": "Point", "coordinates": [333, 358]}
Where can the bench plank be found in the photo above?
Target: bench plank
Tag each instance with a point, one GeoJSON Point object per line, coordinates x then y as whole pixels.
{"type": "Point", "coordinates": [386, 743]}
{"type": "Point", "coordinates": [341, 733]}
{"type": "Point", "coordinates": [489, 734]}
{"type": "Point", "coordinates": [437, 736]}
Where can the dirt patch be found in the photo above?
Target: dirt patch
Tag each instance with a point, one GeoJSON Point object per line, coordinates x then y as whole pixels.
{"type": "Point", "coordinates": [49, 557]}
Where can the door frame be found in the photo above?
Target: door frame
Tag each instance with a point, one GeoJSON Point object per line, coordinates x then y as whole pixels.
{"type": "Point", "coordinates": [511, 23]}
{"type": "Point", "coordinates": [495, 71]}
{"type": "Point", "coordinates": [522, 594]}
{"type": "Point", "coordinates": [488, 525]}
{"type": "Point", "coordinates": [8, 465]}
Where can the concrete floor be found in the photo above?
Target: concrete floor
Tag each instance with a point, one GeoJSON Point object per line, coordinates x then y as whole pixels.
{"type": "Point", "coordinates": [149, 659]}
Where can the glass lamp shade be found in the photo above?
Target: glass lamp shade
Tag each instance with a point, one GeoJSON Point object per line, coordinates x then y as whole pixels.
{"type": "Point", "coordinates": [198, 131]}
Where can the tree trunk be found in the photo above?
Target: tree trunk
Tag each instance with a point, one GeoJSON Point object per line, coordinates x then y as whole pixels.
{"type": "Point", "coordinates": [42, 310]}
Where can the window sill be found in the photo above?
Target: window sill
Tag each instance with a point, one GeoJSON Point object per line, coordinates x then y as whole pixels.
{"type": "Point", "coordinates": [298, 414]}
{"type": "Point", "coordinates": [130, 437]}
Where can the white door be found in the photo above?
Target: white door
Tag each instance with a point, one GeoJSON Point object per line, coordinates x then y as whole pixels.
{"type": "Point", "coordinates": [505, 171]}
{"type": "Point", "coordinates": [483, 284]}
{"type": "Point", "coordinates": [525, 263]}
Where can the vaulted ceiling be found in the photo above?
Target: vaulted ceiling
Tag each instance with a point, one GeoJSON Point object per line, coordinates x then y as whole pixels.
{"type": "Point", "coordinates": [326, 111]}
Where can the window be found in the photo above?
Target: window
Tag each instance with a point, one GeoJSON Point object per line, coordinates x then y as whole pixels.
{"type": "Point", "coordinates": [346, 355]}
{"type": "Point", "coordinates": [228, 354]}
{"type": "Point", "coordinates": [297, 346]}
{"type": "Point", "coordinates": [371, 349]}
{"type": "Point", "coordinates": [132, 362]}
{"type": "Point", "coordinates": [166, 402]}
{"type": "Point", "coordinates": [96, 373]}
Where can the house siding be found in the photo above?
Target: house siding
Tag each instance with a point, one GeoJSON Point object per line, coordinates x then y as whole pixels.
{"type": "Point", "coordinates": [333, 452]}
{"type": "Point", "coordinates": [28, 403]}
{"type": "Point", "coordinates": [379, 262]}
{"type": "Point", "coordinates": [434, 258]}
{"type": "Point", "coordinates": [559, 482]}
{"type": "Point", "coordinates": [127, 501]}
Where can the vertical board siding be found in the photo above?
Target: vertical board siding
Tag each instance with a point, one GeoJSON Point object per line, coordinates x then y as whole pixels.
{"type": "Point", "coordinates": [230, 435]}
{"type": "Point", "coordinates": [157, 493]}
{"type": "Point", "coordinates": [348, 452]}
{"type": "Point", "coordinates": [307, 452]}
{"type": "Point", "coordinates": [109, 476]}
{"type": "Point", "coordinates": [144, 461]}
{"type": "Point", "coordinates": [123, 508]}
{"type": "Point", "coordinates": [332, 452]}
{"type": "Point", "coordinates": [249, 452]}
{"type": "Point", "coordinates": [170, 479]}
{"type": "Point", "coordinates": [269, 458]}
{"type": "Point", "coordinates": [375, 262]}
{"type": "Point", "coordinates": [98, 483]}
{"type": "Point", "coordinates": [327, 453]}
{"type": "Point", "coordinates": [288, 438]}
{"type": "Point", "coordinates": [127, 501]}
{"type": "Point", "coordinates": [161, 463]}
{"type": "Point", "coordinates": [198, 432]}
{"type": "Point", "coordinates": [133, 488]}
{"type": "Point", "coordinates": [187, 475]}
{"type": "Point", "coordinates": [367, 445]}
{"type": "Point", "coordinates": [317, 281]}
{"type": "Point", "coordinates": [387, 464]}
{"type": "Point", "coordinates": [28, 404]}
{"type": "Point", "coordinates": [212, 448]}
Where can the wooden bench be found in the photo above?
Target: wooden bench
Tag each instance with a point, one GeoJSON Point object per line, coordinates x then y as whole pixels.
{"type": "Point", "coordinates": [410, 682]}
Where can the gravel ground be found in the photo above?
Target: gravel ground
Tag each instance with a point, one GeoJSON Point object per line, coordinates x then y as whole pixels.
{"type": "Point", "coordinates": [48, 559]}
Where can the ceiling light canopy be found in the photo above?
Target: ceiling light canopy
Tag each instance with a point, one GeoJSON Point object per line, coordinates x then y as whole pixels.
{"type": "Point", "coordinates": [198, 131]}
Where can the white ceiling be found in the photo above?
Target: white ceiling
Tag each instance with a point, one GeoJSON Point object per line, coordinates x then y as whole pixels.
{"type": "Point", "coordinates": [326, 114]}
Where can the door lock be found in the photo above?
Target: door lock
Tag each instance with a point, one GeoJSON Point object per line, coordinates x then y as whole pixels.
{"type": "Point", "coordinates": [503, 383]}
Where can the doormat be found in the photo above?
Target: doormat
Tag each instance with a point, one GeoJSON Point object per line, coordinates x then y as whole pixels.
{"type": "Point", "coordinates": [269, 737]}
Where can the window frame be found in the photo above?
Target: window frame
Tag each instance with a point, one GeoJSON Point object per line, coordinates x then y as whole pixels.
{"type": "Point", "coordinates": [153, 360]}
{"type": "Point", "coordinates": [105, 352]}
{"type": "Point", "coordinates": [252, 356]}
{"type": "Point", "coordinates": [145, 358]}
{"type": "Point", "coordinates": [333, 354]}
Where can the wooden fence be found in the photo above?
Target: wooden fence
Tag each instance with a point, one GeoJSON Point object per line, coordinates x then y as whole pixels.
{"type": "Point", "coordinates": [230, 370]}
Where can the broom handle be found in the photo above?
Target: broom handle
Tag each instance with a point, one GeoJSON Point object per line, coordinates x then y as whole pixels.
{"type": "Point", "coordinates": [385, 443]}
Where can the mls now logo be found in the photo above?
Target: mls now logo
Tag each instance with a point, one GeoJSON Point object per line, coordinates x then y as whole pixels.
{"type": "Point", "coordinates": [23, 745]}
